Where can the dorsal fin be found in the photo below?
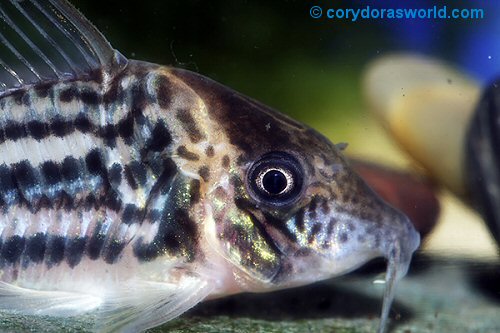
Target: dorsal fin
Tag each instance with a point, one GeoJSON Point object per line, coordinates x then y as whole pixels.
{"type": "Point", "coordinates": [47, 41]}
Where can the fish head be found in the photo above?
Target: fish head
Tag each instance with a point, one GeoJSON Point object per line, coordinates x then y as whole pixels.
{"type": "Point", "coordinates": [288, 209]}
{"type": "Point", "coordinates": [308, 216]}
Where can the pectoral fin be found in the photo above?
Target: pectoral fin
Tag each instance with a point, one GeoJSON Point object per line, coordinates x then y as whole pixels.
{"type": "Point", "coordinates": [43, 302]}
{"type": "Point", "coordinates": [144, 304]}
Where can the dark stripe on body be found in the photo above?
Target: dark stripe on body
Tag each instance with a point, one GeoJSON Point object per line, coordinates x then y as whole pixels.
{"type": "Point", "coordinates": [55, 250]}
{"type": "Point", "coordinates": [177, 235]}
{"type": "Point", "coordinates": [60, 128]}
{"type": "Point", "coordinates": [35, 248]}
{"type": "Point", "coordinates": [132, 214]}
{"type": "Point", "coordinates": [66, 184]}
{"type": "Point", "coordinates": [113, 251]}
{"type": "Point", "coordinates": [83, 94]}
{"type": "Point", "coordinates": [136, 174]}
{"type": "Point", "coordinates": [52, 185]}
{"type": "Point", "coordinates": [74, 250]}
{"type": "Point", "coordinates": [12, 249]}
{"type": "Point", "coordinates": [43, 90]}
{"type": "Point", "coordinates": [51, 172]}
{"type": "Point", "coordinates": [96, 242]}
{"type": "Point", "coordinates": [14, 131]}
{"type": "Point", "coordinates": [115, 174]}
{"type": "Point", "coordinates": [28, 181]}
{"type": "Point", "coordinates": [8, 189]}
{"type": "Point", "coordinates": [139, 101]}
{"type": "Point", "coordinates": [38, 130]}
{"type": "Point", "coordinates": [136, 97]}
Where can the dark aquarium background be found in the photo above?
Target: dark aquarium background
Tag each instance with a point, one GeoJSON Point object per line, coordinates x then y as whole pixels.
{"type": "Point", "coordinates": [275, 52]}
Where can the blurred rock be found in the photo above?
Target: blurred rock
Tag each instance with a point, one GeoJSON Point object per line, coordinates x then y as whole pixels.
{"type": "Point", "coordinates": [426, 106]}
{"type": "Point", "coordinates": [483, 158]}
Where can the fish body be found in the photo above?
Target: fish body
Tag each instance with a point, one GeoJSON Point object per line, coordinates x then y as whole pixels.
{"type": "Point", "coordinates": [139, 190]}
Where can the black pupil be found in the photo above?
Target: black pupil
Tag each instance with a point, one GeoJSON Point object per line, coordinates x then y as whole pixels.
{"type": "Point", "coordinates": [274, 182]}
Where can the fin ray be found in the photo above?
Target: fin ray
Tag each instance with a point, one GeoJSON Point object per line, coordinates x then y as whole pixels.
{"type": "Point", "coordinates": [66, 31]}
{"type": "Point", "coordinates": [148, 304]}
{"type": "Point", "coordinates": [10, 72]}
{"type": "Point", "coordinates": [24, 37]}
{"type": "Point", "coordinates": [41, 302]}
{"type": "Point", "coordinates": [47, 37]}
{"type": "Point", "coordinates": [19, 57]}
{"type": "Point", "coordinates": [95, 42]}
{"type": "Point", "coordinates": [49, 41]}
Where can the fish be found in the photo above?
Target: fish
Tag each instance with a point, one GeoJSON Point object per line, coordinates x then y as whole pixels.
{"type": "Point", "coordinates": [136, 191]}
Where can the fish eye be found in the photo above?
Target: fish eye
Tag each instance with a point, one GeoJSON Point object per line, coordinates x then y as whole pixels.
{"type": "Point", "coordinates": [276, 179]}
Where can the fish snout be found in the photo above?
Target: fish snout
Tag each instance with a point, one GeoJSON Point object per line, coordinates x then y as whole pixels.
{"type": "Point", "coordinates": [355, 240]}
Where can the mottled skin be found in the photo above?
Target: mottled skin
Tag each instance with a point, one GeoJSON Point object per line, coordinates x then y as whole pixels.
{"type": "Point", "coordinates": [338, 222]}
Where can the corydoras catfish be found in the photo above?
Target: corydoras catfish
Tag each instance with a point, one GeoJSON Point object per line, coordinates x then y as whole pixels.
{"type": "Point", "coordinates": [137, 190]}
